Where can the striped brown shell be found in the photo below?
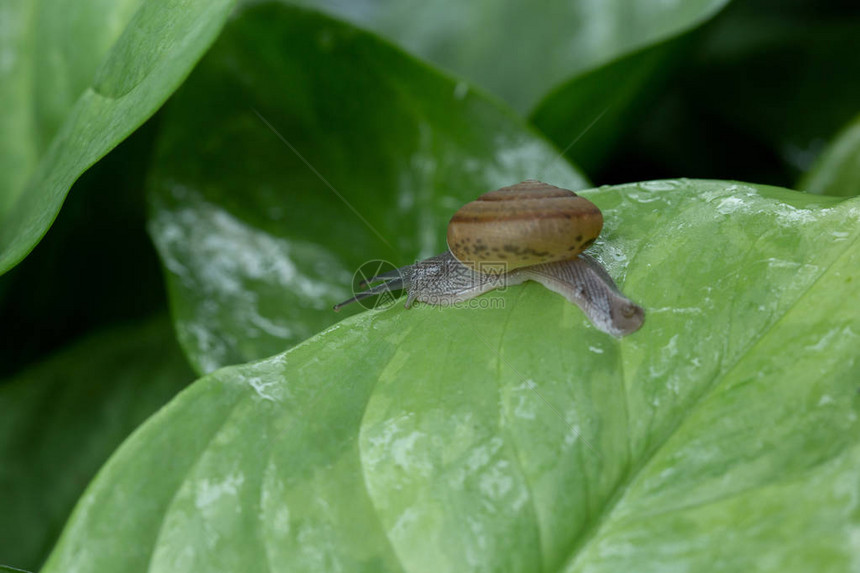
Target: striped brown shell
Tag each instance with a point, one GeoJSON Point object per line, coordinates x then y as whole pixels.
{"type": "Point", "coordinates": [524, 224]}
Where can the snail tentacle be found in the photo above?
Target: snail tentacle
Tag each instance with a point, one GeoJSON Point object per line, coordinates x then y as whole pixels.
{"type": "Point", "coordinates": [390, 285]}
{"type": "Point", "coordinates": [386, 276]}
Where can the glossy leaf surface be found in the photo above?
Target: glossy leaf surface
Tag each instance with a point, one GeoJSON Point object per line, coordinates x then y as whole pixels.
{"type": "Point", "coordinates": [76, 79]}
{"type": "Point", "coordinates": [514, 436]}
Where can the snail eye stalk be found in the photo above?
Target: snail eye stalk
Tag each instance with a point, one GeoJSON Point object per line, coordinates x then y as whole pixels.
{"type": "Point", "coordinates": [386, 276]}
{"type": "Point", "coordinates": [389, 285]}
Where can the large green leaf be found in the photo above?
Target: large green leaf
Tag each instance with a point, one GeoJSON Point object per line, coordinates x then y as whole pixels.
{"type": "Point", "coordinates": [721, 436]}
{"type": "Point", "coordinates": [62, 419]}
{"type": "Point", "coordinates": [585, 70]}
{"type": "Point", "coordinates": [75, 79]}
{"type": "Point", "coordinates": [517, 49]}
{"type": "Point", "coordinates": [260, 237]}
{"type": "Point", "coordinates": [837, 171]}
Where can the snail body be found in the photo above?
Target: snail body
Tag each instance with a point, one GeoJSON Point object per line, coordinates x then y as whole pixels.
{"type": "Point", "coordinates": [528, 231]}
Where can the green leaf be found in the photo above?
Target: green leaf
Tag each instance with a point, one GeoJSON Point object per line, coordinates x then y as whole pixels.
{"type": "Point", "coordinates": [95, 267]}
{"type": "Point", "coordinates": [75, 81]}
{"type": "Point", "coordinates": [588, 114]}
{"type": "Point", "coordinates": [837, 170]}
{"type": "Point", "coordinates": [259, 236]}
{"type": "Point", "coordinates": [63, 418]}
{"type": "Point", "coordinates": [517, 50]}
{"type": "Point", "coordinates": [514, 436]}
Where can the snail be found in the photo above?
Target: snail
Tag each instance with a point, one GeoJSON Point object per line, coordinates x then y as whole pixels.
{"type": "Point", "coordinates": [528, 231]}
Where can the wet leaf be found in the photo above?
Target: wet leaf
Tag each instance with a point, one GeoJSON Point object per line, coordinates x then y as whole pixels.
{"type": "Point", "coordinates": [272, 185]}
{"type": "Point", "coordinates": [511, 435]}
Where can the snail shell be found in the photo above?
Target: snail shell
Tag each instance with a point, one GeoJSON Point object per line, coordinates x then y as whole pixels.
{"type": "Point", "coordinates": [534, 232]}
{"type": "Point", "coordinates": [526, 224]}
